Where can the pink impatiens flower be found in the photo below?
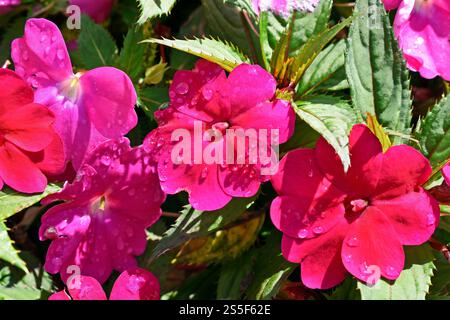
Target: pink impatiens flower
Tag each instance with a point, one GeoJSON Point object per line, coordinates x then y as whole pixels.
{"type": "Point", "coordinates": [132, 284]}
{"type": "Point", "coordinates": [101, 224]}
{"type": "Point", "coordinates": [90, 107]}
{"type": "Point", "coordinates": [98, 10]}
{"type": "Point", "coordinates": [284, 7]}
{"type": "Point", "coordinates": [30, 149]}
{"type": "Point", "coordinates": [334, 222]}
{"type": "Point", "coordinates": [423, 31]}
{"type": "Point", "coordinates": [206, 97]}
{"type": "Point", "coordinates": [7, 5]}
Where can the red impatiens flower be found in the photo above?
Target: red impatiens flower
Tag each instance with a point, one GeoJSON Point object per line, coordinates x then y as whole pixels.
{"type": "Point", "coordinates": [29, 147]}
{"type": "Point", "coordinates": [132, 284]}
{"type": "Point", "coordinates": [334, 222]}
{"type": "Point", "coordinates": [101, 225]}
{"type": "Point", "coordinates": [206, 99]}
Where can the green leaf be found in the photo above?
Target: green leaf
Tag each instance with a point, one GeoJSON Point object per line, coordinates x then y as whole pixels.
{"type": "Point", "coordinates": [346, 291]}
{"type": "Point", "coordinates": [7, 251]}
{"type": "Point", "coordinates": [440, 287]}
{"type": "Point", "coordinates": [304, 26]}
{"type": "Point", "coordinates": [96, 47]}
{"type": "Point", "coordinates": [223, 54]}
{"type": "Point", "coordinates": [132, 54]}
{"type": "Point", "coordinates": [311, 49]}
{"type": "Point", "coordinates": [271, 270]}
{"type": "Point", "coordinates": [376, 70]}
{"type": "Point", "coordinates": [12, 201]}
{"type": "Point", "coordinates": [241, 4]}
{"type": "Point", "coordinates": [154, 8]}
{"type": "Point", "coordinates": [333, 120]}
{"type": "Point", "coordinates": [233, 276]}
{"type": "Point", "coordinates": [153, 98]}
{"type": "Point", "coordinates": [193, 224]}
{"type": "Point", "coordinates": [435, 134]}
{"type": "Point", "coordinates": [413, 283]}
{"type": "Point", "coordinates": [17, 285]}
{"type": "Point", "coordinates": [326, 72]}
{"type": "Point", "coordinates": [229, 24]}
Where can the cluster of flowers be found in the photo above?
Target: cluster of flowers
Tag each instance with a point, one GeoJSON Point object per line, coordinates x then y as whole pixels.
{"type": "Point", "coordinates": [59, 125]}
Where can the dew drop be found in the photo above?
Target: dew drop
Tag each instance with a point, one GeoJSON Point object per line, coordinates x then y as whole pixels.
{"type": "Point", "coordinates": [135, 283]}
{"type": "Point", "coordinates": [105, 160]}
{"type": "Point", "coordinates": [391, 271]}
{"type": "Point", "coordinates": [353, 242]}
{"type": "Point", "coordinates": [182, 88]}
{"type": "Point", "coordinates": [303, 233]}
{"type": "Point", "coordinates": [207, 93]}
{"type": "Point", "coordinates": [60, 54]}
{"type": "Point", "coordinates": [318, 230]}
{"type": "Point", "coordinates": [430, 219]}
{"type": "Point", "coordinates": [51, 233]}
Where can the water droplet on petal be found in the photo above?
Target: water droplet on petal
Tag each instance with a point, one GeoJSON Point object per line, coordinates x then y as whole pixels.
{"type": "Point", "coordinates": [303, 233]}
{"type": "Point", "coordinates": [207, 93]}
{"type": "Point", "coordinates": [105, 160]}
{"type": "Point", "coordinates": [51, 233]}
{"type": "Point", "coordinates": [60, 54]}
{"type": "Point", "coordinates": [430, 219]}
{"type": "Point", "coordinates": [353, 242]}
{"type": "Point", "coordinates": [318, 230]}
{"type": "Point", "coordinates": [182, 88]}
{"type": "Point", "coordinates": [391, 271]}
{"type": "Point", "coordinates": [348, 258]}
{"type": "Point", "coordinates": [135, 283]}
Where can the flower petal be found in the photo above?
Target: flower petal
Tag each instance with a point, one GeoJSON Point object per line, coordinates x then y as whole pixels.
{"type": "Point", "coordinates": [249, 85]}
{"type": "Point", "coordinates": [362, 176]}
{"type": "Point", "coordinates": [136, 284]}
{"type": "Point", "coordinates": [28, 127]}
{"type": "Point", "coordinates": [273, 117]}
{"type": "Point", "coordinates": [414, 216]}
{"type": "Point", "coordinates": [15, 91]}
{"type": "Point", "coordinates": [41, 55]}
{"type": "Point", "coordinates": [404, 168]}
{"type": "Point", "coordinates": [320, 258]}
{"type": "Point", "coordinates": [86, 288]}
{"type": "Point", "coordinates": [300, 218]}
{"type": "Point", "coordinates": [300, 177]}
{"type": "Point", "coordinates": [371, 248]}
{"type": "Point", "coordinates": [109, 98]}
{"type": "Point", "coordinates": [18, 172]}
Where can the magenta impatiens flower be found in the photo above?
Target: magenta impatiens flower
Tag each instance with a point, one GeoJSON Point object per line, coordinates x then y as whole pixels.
{"type": "Point", "coordinates": [132, 284]}
{"type": "Point", "coordinates": [90, 107]}
{"type": "Point", "coordinates": [206, 99]}
{"type": "Point", "coordinates": [334, 222]}
{"type": "Point", "coordinates": [423, 31]}
{"type": "Point", "coordinates": [284, 7]}
{"type": "Point", "coordinates": [446, 173]}
{"type": "Point", "coordinates": [7, 5]}
{"type": "Point", "coordinates": [98, 10]}
{"type": "Point", "coordinates": [101, 224]}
